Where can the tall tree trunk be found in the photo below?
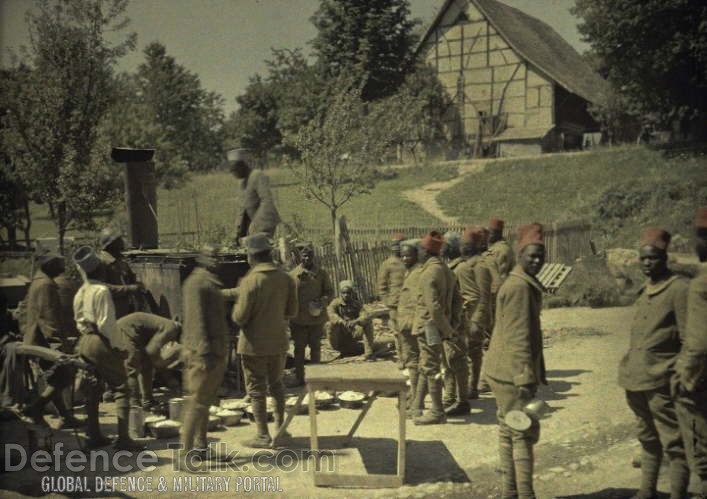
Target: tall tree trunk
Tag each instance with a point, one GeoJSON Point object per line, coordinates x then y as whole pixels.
{"type": "Point", "coordinates": [332, 213]}
{"type": "Point", "coordinates": [28, 222]}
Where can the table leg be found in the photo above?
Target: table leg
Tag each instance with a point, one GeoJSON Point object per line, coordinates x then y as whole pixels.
{"type": "Point", "coordinates": [314, 440]}
{"type": "Point", "coordinates": [402, 402]}
{"type": "Point", "coordinates": [290, 415]}
{"type": "Point", "coordinates": [359, 419]}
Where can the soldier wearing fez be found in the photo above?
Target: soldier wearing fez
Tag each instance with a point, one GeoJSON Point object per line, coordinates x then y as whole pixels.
{"type": "Point", "coordinates": [267, 299]}
{"type": "Point", "coordinates": [390, 280]}
{"type": "Point", "coordinates": [257, 212]}
{"type": "Point", "coordinates": [689, 383]}
{"type": "Point", "coordinates": [119, 277]}
{"type": "Point", "coordinates": [456, 378]}
{"type": "Point", "coordinates": [436, 318]}
{"type": "Point", "coordinates": [204, 350]}
{"type": "Point", "coordinates": [44, 322]}
{"type": "Point", "coordinates": [410, 254]}
{"type": "Point", "coordinates": [656, 337]}
{"type": "Point", "coordinates": [314, 291]}
{"type": "Point", "coordinates": [514, 363]}
{"type": "Point", "coordinates": [103, 345]}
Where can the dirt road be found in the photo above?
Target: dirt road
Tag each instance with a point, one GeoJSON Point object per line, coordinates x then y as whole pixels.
{"type": "Point", "coordinates": [585, 447]}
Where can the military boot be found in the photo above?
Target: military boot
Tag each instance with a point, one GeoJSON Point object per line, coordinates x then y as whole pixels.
{"type": "Point", "coordinates": [262, 440]}
{"type": "Point", "coordinates": [505, 453]}
{"type": "Point", "coordinates": [650, 468]}
{"type": "Point", "coordinates": [368, 342]}
{"type": "Point", "coordinates": [474, 374]}
{"type": "Point", "coordinates": [280, 418]}
{"type": "Point", "coordinates": [679, 478]}
{"type": "Point", "coordinates": [450, 389]}
{"type": "Point", "coordinates": [523, 464]}
{"type": "Point", "coordinates": [124, 442]}
{"type": "Point", "coordinates": [412, 390]}
{"type": "Point", "coordinates": [436, 413]}
{"type": "Point", "coordinates": [93, 428]}
{"type": "Point", "coordinates": [418, 405]}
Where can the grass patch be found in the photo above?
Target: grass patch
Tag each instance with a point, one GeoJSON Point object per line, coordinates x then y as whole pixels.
{"type": "Point", "coordinates": [618, 190]}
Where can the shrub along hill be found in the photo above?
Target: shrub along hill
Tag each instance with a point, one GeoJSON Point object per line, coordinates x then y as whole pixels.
{"type": "Point", "coordinates": [618, 190]}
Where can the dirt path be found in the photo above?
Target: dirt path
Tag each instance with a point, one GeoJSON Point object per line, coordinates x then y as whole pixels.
{"type": "Point", "coordinates": [426, 196]}
{"type": "Point", "coordinates": [585, 447]}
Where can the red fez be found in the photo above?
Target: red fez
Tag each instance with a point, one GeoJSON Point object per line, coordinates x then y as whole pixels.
{"type": "Point", "coordinates": [474, 235]}
{"type": "Point", "coordinates": [397, 237]}
{"type": "Point", "coordinates": [432, 242]}
{"type": "Point", "coordinates": [653, 236]}
{"type": "Point", "coordinates": [496, 223]}
{"type": "Point", "coordinates": [529, 234]}
{"type": "Point", "coordinates": [701, 219]}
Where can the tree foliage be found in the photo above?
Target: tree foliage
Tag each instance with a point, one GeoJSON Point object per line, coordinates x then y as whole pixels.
{"type": "Point", "coordinates": [654, 52]}
{"type": "Point", "coordinates": [372, 39]}
{"type": "Point", "coordinates": [340, 150]}
{"type": "Point", "coordinates": [55, 106]}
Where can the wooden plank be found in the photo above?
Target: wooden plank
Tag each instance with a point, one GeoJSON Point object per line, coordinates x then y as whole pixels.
{"type": "Point", "coordinates": [313, 438]}
{"type": "Point", "coordinates": [402, 444]}
{"type": "Point", "coordinates": [376, 481]}
{"type": "Point", "coordinates": [359, 419]}
{"type": "Point", "coordinates": [290, 416]}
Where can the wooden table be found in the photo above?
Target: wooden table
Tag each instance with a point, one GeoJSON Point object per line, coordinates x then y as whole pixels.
{"type": "Point", "coordinates": [366, 377]}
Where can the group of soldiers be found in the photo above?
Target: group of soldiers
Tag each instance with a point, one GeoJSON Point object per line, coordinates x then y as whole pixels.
{"type": "Point", "coordinates": [456, 301]}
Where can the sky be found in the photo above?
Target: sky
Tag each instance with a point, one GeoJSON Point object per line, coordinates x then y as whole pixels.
{"type": "Point", "coordinates": [227, 41]}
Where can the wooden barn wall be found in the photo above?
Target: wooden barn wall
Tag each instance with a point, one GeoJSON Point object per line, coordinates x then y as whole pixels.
{"type": "Point", "coordinates": [572, 112]}
{"type": "Point", "coordinates": [484, 74]}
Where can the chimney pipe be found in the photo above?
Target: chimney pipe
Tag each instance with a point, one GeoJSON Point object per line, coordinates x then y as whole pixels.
{"type": "Point", "coordinates": [140, 195]}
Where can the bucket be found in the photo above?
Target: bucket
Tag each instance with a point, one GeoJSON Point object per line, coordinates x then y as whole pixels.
{"type": "Point", "coordinates": [137, 422]}
{"type": "Point", "coordinates": [176, 406]}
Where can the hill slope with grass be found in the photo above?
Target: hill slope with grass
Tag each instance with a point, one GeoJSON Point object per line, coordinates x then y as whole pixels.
{"type": "Point", "coordinates": [618, 190]}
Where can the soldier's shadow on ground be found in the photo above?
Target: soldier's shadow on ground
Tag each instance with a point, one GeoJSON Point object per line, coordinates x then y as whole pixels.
{"type": "Point", "coordinates": [610, 493]}
{"type": "Point", "coordinates": [558, 388]}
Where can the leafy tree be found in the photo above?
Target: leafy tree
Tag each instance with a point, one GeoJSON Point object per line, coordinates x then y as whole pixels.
{"type": "Point", "coordinates": [190, 118]}
{"type": "Point", "coordinates": [55, 106]}
{"type": "Point", "coordinates": [340, 150]}
{"type": "Point", "coordinates": [654, 52]}
{"type": "Point", "coordinates": [370, 38]}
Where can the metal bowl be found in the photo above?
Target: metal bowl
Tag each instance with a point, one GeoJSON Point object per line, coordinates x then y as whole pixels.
{"type": "Point", "coordinates": [166, 431]}
{"type": "Point", "coordinates": [351, 400]}
{"type": "Point", "coordinates": [229, 417]}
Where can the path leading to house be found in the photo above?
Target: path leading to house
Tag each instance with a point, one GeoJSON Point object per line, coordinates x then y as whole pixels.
{"type": "Point", "coordinates": [426, 195]}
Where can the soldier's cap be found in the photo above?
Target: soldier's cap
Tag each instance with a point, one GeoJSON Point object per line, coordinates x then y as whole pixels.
{"type": "Point", "coordinates": [346, 284]}
{"type": "Point", "coordinates": [411, 243]}
{"type": "Point", "coordinates": [86, 258]}
{"type": "Point", "coordinates": [496, 223]}
{"type": "Point", "coordinates": [432, 242]}
{"type": "Point", "coordinates": [474, 235]}
{"type": "Point", "coordinates": [258, 243]}
{"type": "Point", "coordinates": [656, 237]}
{"type": "Point", "coordinates": [452, 239]}
{"type": "Point", "coordinates": [207, 254]}
{"type": "Point", "coordinates": [47, 256]}
{"type": "Point", "coordinates": [701, 218]}
{"type": "Point", "coordinates": [529, 234]}
{"type": "Point", "coordinates": [108, 235]}
{"type": "Point", "coordinates": [239, 154]}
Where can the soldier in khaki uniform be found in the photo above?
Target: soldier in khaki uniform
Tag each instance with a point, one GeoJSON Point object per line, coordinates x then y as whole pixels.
{"type": "Point", "coordinates": [500, 253]}
{"type": "Point", "coordinates": [43, 323]}
{"type": "Point", "coordinates": [146, 334]}
{"type": "Point", "coordinates": [204, 348]}
{"type": "Point", "coordinates": [456, 378]}
{"type": "Point", "coordinates": [257, 211]}
{"type": "Point", "coordinates": [475, 286]}
{"type": "Point", "coordinates": [314, 292]}
{"type": "Point", "coordinates": [390, 281]}
{"type": "Point", "coordinates": [690, 379]}
{"type": "Point", "coordinates": [514, 364]}
{"type": "Point", "coordinates": [410, 349]}
{"type": "Point", "coordinates": [120, 279]}
{"type": "Point", "coordinates": [644, 372]}
{"type": "Point", "coordinates": [349, 330]}
{"type": "Point", "coordinates": [437, 309]}
{"type": "Point", "coordinates": [103, 345]}
{"type": "Point", "coordinates": [267, 299]}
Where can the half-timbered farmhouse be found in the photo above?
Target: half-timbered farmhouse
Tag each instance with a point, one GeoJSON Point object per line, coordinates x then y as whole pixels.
{"type": "Point", "coordinates": [517, 86]}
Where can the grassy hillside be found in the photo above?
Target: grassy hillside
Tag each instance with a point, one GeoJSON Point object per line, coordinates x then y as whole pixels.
{"type": "Point", "coordinates": [619, 190]}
